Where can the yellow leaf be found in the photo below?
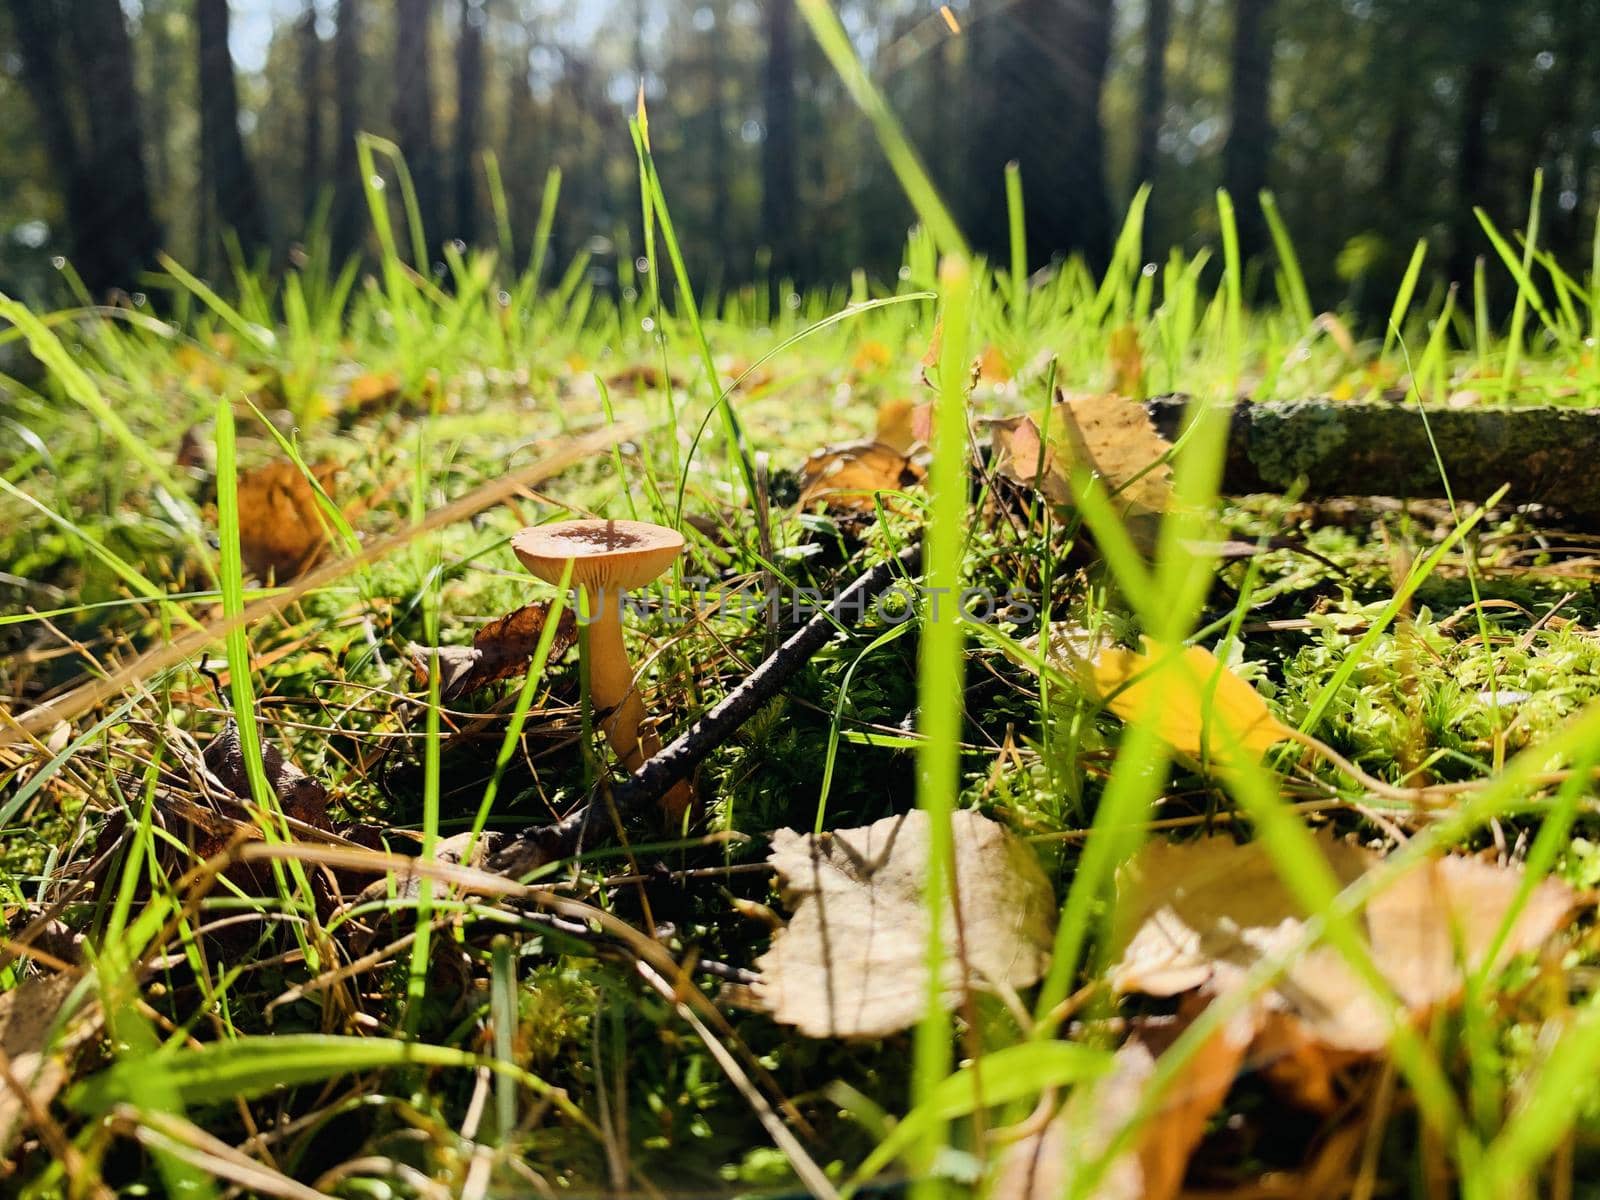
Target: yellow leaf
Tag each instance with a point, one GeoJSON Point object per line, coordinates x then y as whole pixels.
{"type": "Point", "coordinates": [1127, 361]}
{"type": "Point", "coordinates": [992, 365]}
{"type": "Point", "coordinates": [1202, 709]}
{"type": "Point", "coordinates": [871, 355]}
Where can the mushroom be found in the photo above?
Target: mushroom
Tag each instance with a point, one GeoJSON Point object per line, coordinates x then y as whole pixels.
{"type": "Point", "coordinates": [608, 558]}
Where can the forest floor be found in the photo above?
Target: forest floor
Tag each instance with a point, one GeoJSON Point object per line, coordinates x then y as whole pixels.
{"type": "Point", "coordinates": [1303, 908]}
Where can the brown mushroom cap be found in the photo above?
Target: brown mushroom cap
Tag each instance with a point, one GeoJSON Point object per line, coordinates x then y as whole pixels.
{"type": "Point", "coordinates": [605, 555]}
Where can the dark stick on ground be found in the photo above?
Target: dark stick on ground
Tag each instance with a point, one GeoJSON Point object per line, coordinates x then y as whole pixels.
{"type": "Point", "coordinates": [678, 760]}
{"type": "Point", "coordinates": [1545, 454]}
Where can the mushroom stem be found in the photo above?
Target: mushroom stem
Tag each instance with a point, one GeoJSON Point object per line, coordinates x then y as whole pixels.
{"type": "Point", "coordinates": [611, 678]}
{"type": "Point", "coordinates": [611, 686]}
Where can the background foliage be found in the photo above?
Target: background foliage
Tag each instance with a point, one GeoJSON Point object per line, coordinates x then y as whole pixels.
{"type": "Point", "coordinates": [1375, 121]}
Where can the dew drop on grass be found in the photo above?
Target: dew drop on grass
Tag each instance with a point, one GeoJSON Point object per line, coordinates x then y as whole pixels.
{"type": "Point", "coordinates": [504, 299]}
{"type": "Point", "coordinates": [58, 262]}
{"type": "Point", "coordinates": [642, 265]}
{"type": "Point", "coordinates": [629, 293]}
{"type": "Point", "coordinates": [458, 245]}
{"type": "Point", "coordinates": [376, 183]}
{"type": "Point", "coordinates": [648, 324]}
{"type": "Point", "coordinates": [1149, 271]}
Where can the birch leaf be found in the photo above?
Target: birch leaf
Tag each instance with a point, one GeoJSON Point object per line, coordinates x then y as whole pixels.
{"type": "Point", "coordinates": [1202, 709]}
{"type": "Point", "coordinates": [852, 960]}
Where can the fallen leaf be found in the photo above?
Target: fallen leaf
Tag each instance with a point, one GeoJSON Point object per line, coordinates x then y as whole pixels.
{"type": "Point", "coordinates": [281, 532]}
{"type": "Point", "coordinates": [1202, 914]}
{"type": "Point", "coordinates": [852, 960]}
{"type": "Point", "coordinates": [372, 390]}
{"type": "Point", "coordinates": [992, 365]}
{"type": "Point", "coordinates": [301, 797]}
{"type": "Point", "coordinates": [500, 650]}
{"type": "Point", "coordinates": [38, 1039]}
{"type": "Point", "coordinates": [870, 355]}
{"type": "Point", "coordinates": [1127, 361]}
{"type": "Point", "coordinates": [1202, 709]}
{"type": "Point", "coordinates": [1041, 1166]}
{"type": "Point", "coordinates": [847, 478]}
{"type": "Point", "coordinates": [898, 424]}
{"type": "Point", "coordinates": [1105, 435]}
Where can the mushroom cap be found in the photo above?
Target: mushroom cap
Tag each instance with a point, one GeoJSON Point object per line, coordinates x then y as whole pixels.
{"type": "Point", "coordinates": [604, 554]}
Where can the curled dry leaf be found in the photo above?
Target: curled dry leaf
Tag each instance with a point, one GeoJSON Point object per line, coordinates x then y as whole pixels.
{"type": "Point", "coordinates": [1101, 434]}
{"type": "Point", "coordinates": [852, 960]}
{"type": "Point", "coordinates": [1203, 913]}
{"type": "Point", "coordinates": [1202, 709]}
{"type": "Point", "coordinates": [500, 650]}
{"type": "Point", "coordinates": [301, 797]}
{"type": "Point", "coordinates": [38, 1037]}
{"type": "Point", "coordinates": [281, 530]}
{"type": "Point", "coordinates": [904, 424]}
{"type": "Point", "coordinates": [1043, 1164]}
{"type": "Point", "coordinates": [847, 478]}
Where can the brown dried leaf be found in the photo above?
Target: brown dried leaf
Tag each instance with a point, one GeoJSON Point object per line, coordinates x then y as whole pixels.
{"type": "Point", "coordinates": [897, 424]}
{"type": "Point", "coordinates": [38, 1062]}
{"type": "Point", "coordinates": [281, 532]}
{"type": "Point", "coordinates": [846, 478]}
{"type": "Point", "coordinates": [1203, 913]}
{"type": "Point", "coordinates": [1106, 435]}
{"type": "Point", "coordinates": [302, 797]}
{"type": "Point", "coordinates": [372, 390]}
{"type": "Point", "coordinates": [1039, 1166]}
{"type": "Point", "coordinates": [851, 962]}
{"type": "Point", "coordinates": [500, 650]}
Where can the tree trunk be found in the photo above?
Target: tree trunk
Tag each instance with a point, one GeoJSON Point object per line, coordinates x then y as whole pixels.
{"type": "Point", "coordinates": [521, 156]}
{"type": "Point", "coordinates": [227, 180]}
{"type": "Point", "coordinates": [778, 176]}
{"type": "Point", "coordinates": [1152, 89]}
{"type": "Point", "coordinates": [37, 27]}
{"type": "Point", "coordinates": [348, 200]}
{"type": "Point", "coordinates": [469, 118]}
{"type": "Point", "coordinates": [311, 94]}
{"type": "Point", "coordinates": [1472, 170]}
{"type": "Point", "coordinates": [717, 121]}
{"type": "Point", "coordinates": [413, 108]}
{"type": "Point", "coordinates": [114, 233]}
{"type": "Point", "coordinates": [1248, 153]}
{"type": "Point", "coordinates": [1044, 69]}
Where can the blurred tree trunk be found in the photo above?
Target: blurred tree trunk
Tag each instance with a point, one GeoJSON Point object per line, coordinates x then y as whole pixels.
{"type": "Point", "coordinates": [311, 94]}
{"type": "Point", "coordinates": [1152, 89]}
{"type": "Point", "coordinates": [348, 199]}
{"type": "Point", "coordinates": [778, 149]}
{"type": "Point", "coordinates": [1472, 169]}
{"type": "Point", "coordinates": [226, 178]}
{"type": "Point", "coordinates": [413, 108]}
{"type": "Point", "coordinates": [469, 118]}
{"type": "Point", "coordinates": [102, 174]}
{"type": "Point", "coordinates": [1043, 68]}
{"type": "Point", "coordinates": [522, 120]}
{"type": "Point", "coordinates": [717, 119]}
{"type": "Point", "coordinates": [1247, 156]}
{"type": "Point", "coordinates": [37, 27]}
